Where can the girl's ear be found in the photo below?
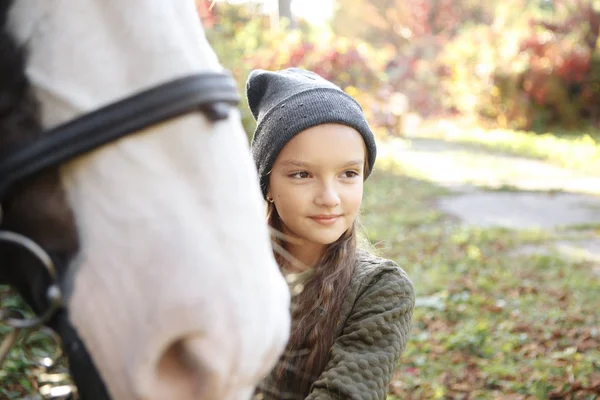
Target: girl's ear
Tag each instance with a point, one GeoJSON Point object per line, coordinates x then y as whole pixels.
{"type": "Point", "coordinates": [269, 198]}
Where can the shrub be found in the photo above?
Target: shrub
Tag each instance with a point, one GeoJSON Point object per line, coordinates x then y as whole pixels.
{"type": "Point", "coordinates": [558, 80]}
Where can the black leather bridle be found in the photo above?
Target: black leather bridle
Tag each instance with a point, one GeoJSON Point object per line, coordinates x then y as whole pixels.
{"type": "Point", "coordinates": [211, 93]}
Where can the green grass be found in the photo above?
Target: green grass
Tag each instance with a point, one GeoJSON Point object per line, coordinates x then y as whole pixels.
{"type": "Point", "coordinates": [487, 325]}
{"type": "Point", "coordinates": [23, 373]}
{"type": "Point", "coordinates": [576, 150]}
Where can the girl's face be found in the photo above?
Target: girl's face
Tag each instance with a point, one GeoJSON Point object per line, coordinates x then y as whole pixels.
{"type": "Point", "coordinates": [317, 183]}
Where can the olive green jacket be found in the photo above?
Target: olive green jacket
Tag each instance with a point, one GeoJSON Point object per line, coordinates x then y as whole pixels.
{"type": "Point", "coordinates": [375, 324]}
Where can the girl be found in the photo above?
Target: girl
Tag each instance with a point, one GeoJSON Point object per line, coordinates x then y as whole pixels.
{"type": "Point", "coordinates": [351, 311]}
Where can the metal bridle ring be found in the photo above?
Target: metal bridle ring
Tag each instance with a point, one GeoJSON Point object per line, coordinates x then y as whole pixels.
{"type": "Point", "coordinates": [47, 360]}
{"type": "Point", "coordinates": [53, 293]}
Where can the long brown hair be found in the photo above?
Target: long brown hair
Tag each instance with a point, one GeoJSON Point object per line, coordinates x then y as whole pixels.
{"type": "Point", "coordinates": [317, 307]}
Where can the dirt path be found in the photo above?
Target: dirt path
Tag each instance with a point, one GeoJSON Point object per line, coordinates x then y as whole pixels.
{"type": "Point", "coordinates": [492, 189]}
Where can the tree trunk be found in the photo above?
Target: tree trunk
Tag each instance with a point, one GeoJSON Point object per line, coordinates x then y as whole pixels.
{"type": "Point", "coordinates": [285, 12]}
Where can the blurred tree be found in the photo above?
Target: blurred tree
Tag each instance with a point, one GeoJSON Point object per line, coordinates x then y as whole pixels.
{"type": "Point", "coordinates": [398, 22]}
{"type": "Point", "coordinates": [285, 12]}
{"type": "Point", "coordinates": [204, 11]}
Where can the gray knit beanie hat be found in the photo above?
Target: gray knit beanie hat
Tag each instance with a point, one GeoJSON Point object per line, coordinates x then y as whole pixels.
{"type": "Point", "coordinates": [285, 103]}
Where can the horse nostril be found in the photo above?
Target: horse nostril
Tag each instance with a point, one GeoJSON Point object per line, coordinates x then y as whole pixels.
{"type": "Point", "coordinates": [175, 362]}
{"type": "Point", "coordinates": [178, 371]}
{"type": "Point", "coordinates": [188, 370]}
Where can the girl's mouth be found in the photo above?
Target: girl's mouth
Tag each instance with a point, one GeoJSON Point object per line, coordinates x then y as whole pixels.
{"type": "Point", "coordinates": [325, 219]}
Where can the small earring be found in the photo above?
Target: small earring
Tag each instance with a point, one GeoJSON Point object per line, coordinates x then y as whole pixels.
{"type": "Point", "coordinates": [269, 199]}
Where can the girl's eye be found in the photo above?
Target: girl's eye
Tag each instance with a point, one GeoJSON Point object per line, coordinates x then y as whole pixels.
{"type": "Point", "coordinates": [299, 175]}
{"type": "Point", "coordinates": [350, 174]}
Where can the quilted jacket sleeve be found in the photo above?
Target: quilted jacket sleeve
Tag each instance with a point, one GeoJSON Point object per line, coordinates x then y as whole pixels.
{"type": "Point", "coordinates": [364, 356]}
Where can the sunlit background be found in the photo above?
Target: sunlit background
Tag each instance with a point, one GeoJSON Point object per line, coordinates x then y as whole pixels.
{"type": "Point", "coordinates": [487, 185]}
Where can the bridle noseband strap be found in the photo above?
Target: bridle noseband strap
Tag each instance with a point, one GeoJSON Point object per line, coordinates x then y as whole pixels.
{"type": "Point", "coordinates": [212, 93]}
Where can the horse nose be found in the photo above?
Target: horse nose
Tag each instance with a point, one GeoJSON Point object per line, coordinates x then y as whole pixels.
{"type": "Point", "coordinates": [215, 352]}
{"type": "Point", "coordinates": [188, 369]}
{"type": "Point", "coordinates": [193, 367]}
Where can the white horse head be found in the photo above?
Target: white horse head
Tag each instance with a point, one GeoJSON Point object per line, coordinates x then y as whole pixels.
{"type": "Point", "coordinates": [162, 245]}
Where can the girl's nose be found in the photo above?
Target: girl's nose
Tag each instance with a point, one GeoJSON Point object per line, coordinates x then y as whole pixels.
{"type": "Point", "coordinates": [328, 196]}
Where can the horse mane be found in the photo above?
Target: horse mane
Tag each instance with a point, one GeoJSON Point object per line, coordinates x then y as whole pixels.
{"type": "Point", "coordinates": [19, 111]}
